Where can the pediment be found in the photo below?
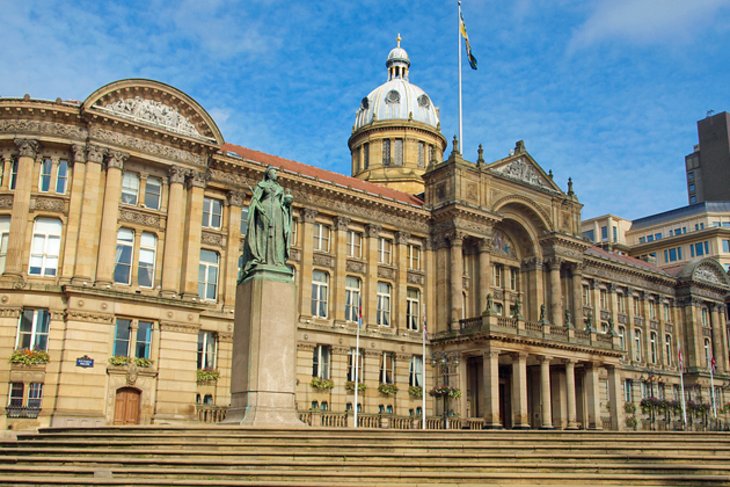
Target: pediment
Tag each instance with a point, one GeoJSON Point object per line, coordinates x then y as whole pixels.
{"type": "Point", "coordinates": [524, 169]}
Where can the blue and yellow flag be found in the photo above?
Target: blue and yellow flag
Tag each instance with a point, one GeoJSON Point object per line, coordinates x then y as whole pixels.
{"type": "Point", "coordinates": [469, 55]}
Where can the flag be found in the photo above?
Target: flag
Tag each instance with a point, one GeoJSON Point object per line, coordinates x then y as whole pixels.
{"type": "Point", "coordinates": [425, 326]}
{"type": "Point", "coordinates": [469, 55]}
{"type": "Point", "coordinates": [713, 364]}
{"type": "Point", "coordinates": [359, 315]}
{"type": "Point", "coordinates": [679, 355]}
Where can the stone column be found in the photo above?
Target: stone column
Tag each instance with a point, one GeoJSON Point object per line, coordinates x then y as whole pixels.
{"type": "Point", "coordinates": [309, 216]}
{"type": "Point", "coordinates": [556, 293]}
{"type": "Point", "coordinates": [485, 278]}
{"type": "Point", "coordinates": [456, 278]}
{"type": "Point", "coordinates": [593, 398]}
{"type": "Point", "coordinates": [87, 248]}
{"type": "Point", "coordinates": [194, 232]}
{"type": "Point", "coordinates": [462, 385]}
{"type": "Point", "coordinates": [173, 233]}
{"type": "Point", "coordinates": [520, 417]}
{"type": "Point", "coordinates": [570, 387]}
{"type": "Point", "coordinates": [338, 297]}
{"type": "Point", "coordinates": [490, 359]}
{"type": "Point", "coordinates": [545, 399]}
{"type": "Point", "coordinates": [615, 393]}
{"type": "Point", "coordinates": [371, 286]}
{"type": "Point", "coordinates": [15, 264]}
{"type": "Point", "coordinates": [646, 329]}
{"type": "Point", "coordinates": [76, 189]}
{"type": "Point", "coordinates": [534, 288]}
{"type": "Point", "coordinates": [723, 354]}
{"type": "Point", "coordinates": [230, 277]}
{"type": "Point", "coordinates": [577, 282]}
{"type": "Point", "coordinates": [401, 241]}
{"type": "Point", "coordinates": [109, 219]}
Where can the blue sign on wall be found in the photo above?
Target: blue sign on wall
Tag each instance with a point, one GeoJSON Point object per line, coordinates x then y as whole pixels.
{"type": "Point", "coordinates": [85, 362]}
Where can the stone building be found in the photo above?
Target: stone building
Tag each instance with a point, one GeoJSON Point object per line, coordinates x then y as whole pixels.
{"type": "Point", "coordinates": [121, 222]}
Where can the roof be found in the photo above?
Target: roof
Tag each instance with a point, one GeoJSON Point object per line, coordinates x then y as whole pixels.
{"type": "Point", "coordinates": [625, 260]}
{"type": "Point", "coordinates": [682, 212]}
{"type": "Point", "coordinates": [322, 174]}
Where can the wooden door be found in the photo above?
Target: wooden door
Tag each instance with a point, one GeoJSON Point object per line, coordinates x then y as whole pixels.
{"type": "Point", "coordinates": [126, 410]}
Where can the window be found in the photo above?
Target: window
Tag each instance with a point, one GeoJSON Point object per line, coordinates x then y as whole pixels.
{"type": "Point", "coordinates": [320, 292]}
{"type": "Point", "coordinates": [615, 234]}
{"type": "Point", "coordinates": [513, 273]}
{"type": "Point", "coordinates": [726, 246]}
{"type": "Point", "coordinates": [144, 340]}
{"type": "Point", "coordinates": [321, 237]}
{"type": "Point", "coordinates": [672, 255]}
{"type": "Point", "coordinates": [421, 154]}
{"type": "Point", "coordinates": [589, 235]}
{"type": "Point", "coordinates": [603, 294]}
{"type": "Point", "coordinates": [413, 306]}
{"type": "Point", "coordinates": [152, 193]}
{"type": "Point", "coordinates": [652, 310]}
{"type": "Point", "coordinates": [705, 317]}
{"type": "Point", "coordinates": [354, 244]}
{"type": "Point", "coordinates": [387, 368]}
{"type": "Point", "coordinates": [2, 171]}
{"type": "Point", "coordinates": [415, 371]}
{"type": "Point", "coordinates": [123, 258]}
{"type": "Point", "coordinates": [693, 199]}
{"type": "Point", "coordinates": [16, 394]}
{"type": "Point", "coordinates": [351, 366]}
{"type": "Point", "coordinates": [665, 308]}
{"type": "Point", "coordinates": [604, 233]}
{"type": "Point", "coordinates": [33, 329]}
{"type": "Point", "coordinates": [628, 391]}
{"type": "Point", "coordinates": [708, 352]}
{"type": "Point", "coordinates": [386, 152]}
{"type": "Point", "coordinates": [146, 268]}
{"type": "Point", "coordinates": [294, 231]}
{"type": "Point", "coordinates": [61, 177]}
{"type": "Point", "coordinates": [637, 345]}
{"type": "Point", "coordinates": [668, 349]}
{"type": "Point", "coordinates": [586, 295]}
{"type": "Point", "coordinates": [321, 361]}
{"type": "Point", "coordinates": [690, 177]}
{"type": "Point", "coordinates": [244, 223]}
{"type": "Point", "coordinates": [398, 157]}
{"type": "Point", "coordinates": [4, 235]}
{"type": "Point", "coordinates": [208, 275]}
{"type": "Point", "coordinates": [366, 155]}
{"type": "Point", "coordinates": [637, 306]}
{"type": "Point", "coordinates": [414, 257]}
{"type": "Point", "coordinates": [699, 249]}
{"type": "Point", "coordinates": [212, 211]}
{"type": "Point", "coordinates": [383, 310]}
{"type": "Point", "coordinates": [122, 337]}
{"type": "Point", "coordinates": [621, 301]}
{"type": "Point", "coordinates": [431, 153]}
{"type": "Point", "coordinates": [130, 188]}
{"type": "Point", "coordinates": [207, 349]}
{"type": "Point", "coordinates": [497, 271]}
{"type": "Point", "coordinates": [44, 178]}
{"type": "Point", "coordinates": [13, 173]}
{"type": "Point", "coordinates": [46, 247]}
{"type": "Point", "coordinates": [352, 298]}
{"type": "Point", "coordinates": [622, 337]}
{"type": "Point", "coordinates": [699, 226]}
{"type": "Point", "coordinates": [653, 347]}
{"type": "Point", "coordinates": [385, 250]}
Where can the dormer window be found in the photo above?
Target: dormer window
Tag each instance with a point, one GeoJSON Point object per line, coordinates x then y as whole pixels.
{"type": "Point", "coordinates": [392, 97]}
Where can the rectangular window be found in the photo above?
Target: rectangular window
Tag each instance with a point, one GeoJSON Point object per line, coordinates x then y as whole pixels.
{"type": "Point", "coordinates": [4, 235]}
{"type": "Point", "coordinates": [413, 308]}
{"type": "Point", "coordinates": [123, 257]}
{"type": "Point", "coordinates": [652, 310]}
{"type": "Point", "coordinates": [33, 329]}
{"type": "Point", "coordinates": [146, 268]}
{"type": "Point", "coordinates": [207, 349]}
{"type": "Point", "coordinates": [421, 154]}
{"type": "Point", "coordinates": [208, 275]}
{"type": "Point", "coordinates": [16, 394]}
{"type": "Point", "coordinates": [653, 347]}
{"type": "Point", "coordinates": [622, 337]}
{"type": "Point", "coordinates": [642, 240]}
{"type": "Point", "coordinates": [62, 177]}
{"type": "Point", "coordinates": [415, 371]}
{"type": "Point", "coordinates": [637, 345]}
{"type": "Point", "coordinates": [13, 173]}
{"type": "Point", "coordinates": [414, 257]}
{"type": "Point", "coordinates": [690, 177]}
{"type": "Point", "coordinates": [244, 224]}
{"type": "Point", "coordinates": [657, 236]}
{"type": "Point", "coordinates": [615, 234]}
{"type": "Point", "coordinates": [586, 295]}
{"type": "Point", "coordinates": [668, 349]}
{"type": "Point", "coordinates": [130, 188]}
{"type": "Point", "coordinates": [321, 237]}
{"type": "Point", "coordinates": [431, 153]}
{"type": "Point", "coordinates": [212, 212]}
{"type": "Point", "coordinates": [45, 247]}
{"type": "Point", "coordinates": [665, 308]}
{"type": "Point", "coordinates": [604, 233]}
{"type": "Point", "coordinates": [35, 395]}
{"type": "Point", "coordinates": [513, 276]}
{"type": "Point", "coordinates": [143, 345]}
{"type": "Point", "coordinates": [603, 299]}
{"type": "Point", "coordinates": [354, 244]}
{"type": "Point", "coordinates": [385, 251]}
{"type": "Point", "coordinates": [366, 155]}
{"type": "Point", "coordinates": [672, 255]}
{"type": "Point", "coordinates": [589, 235]}
{"type": "Point", "coordinates": [628, 391]}
{"type": "Point", "coordinates": [398, 160]}
{"type": "Point", "coordinates": [152, 193]}
{"type": "Point", "coordinates": [383, 309]}
{"type": "Point", "coordinates": [351, 366]}
{"type": "Point", "coordinates": [497, 271]}
{"type": "Point", "coordinates": [122, 337]}
{"type": "Point", "coordinates": [650, 238]}
{"type": "Point", "coordinates": [386, 152]}
{"type": "Point", "coordinates": [321, 361]}
{"type": "Point", "coordinates": [387, 368]}
{"type": "Point", "coordinates": [637, 306]}
{"type": "Point", "coordinates": [693, 199]}
{"type": "Point", "coordinates": [726, 246]}
{"type": "Point", "coordinates": [44, 178]}
{"type": "Point", "coordinates": [352, 299]}
{"type": "Point", "coordinates": [320, 293]}
{"type": "Point", "coordinates": [621, 301]}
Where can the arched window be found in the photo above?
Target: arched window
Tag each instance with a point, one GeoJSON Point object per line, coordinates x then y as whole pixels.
{"type": "Point", "coordinates": [46, 247]}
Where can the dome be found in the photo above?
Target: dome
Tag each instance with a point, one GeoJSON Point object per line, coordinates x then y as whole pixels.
{"type": "Point", "coordinates": [397, 54]}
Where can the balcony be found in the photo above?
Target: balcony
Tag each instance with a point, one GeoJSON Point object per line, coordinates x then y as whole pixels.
{"type": "Point", "coordinates": [23, 412]}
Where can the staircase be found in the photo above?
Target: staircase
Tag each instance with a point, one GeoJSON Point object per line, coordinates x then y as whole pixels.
{"type": "Point", "coordinates": [229, 456]}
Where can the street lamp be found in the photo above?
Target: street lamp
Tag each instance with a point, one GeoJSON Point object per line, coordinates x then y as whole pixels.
{"type": "Point", "coordinates": [447, 362]}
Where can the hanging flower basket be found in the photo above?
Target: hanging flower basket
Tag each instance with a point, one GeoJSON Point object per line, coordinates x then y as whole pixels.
{"type": "Point", "coordinates": [445, 391]}
{"type": "Point", "coordinates": [322, 384]}
{"type": "Point", "coordinates": [415, 391]}
{"type": "Point", "coordinates": [350, 386]}
{"type": "Point", "coordinates": [206, 376]}
{"type": "Point", "coordinates": [388, 389]}
{"type": "Point", "coordinates": [26, 356]}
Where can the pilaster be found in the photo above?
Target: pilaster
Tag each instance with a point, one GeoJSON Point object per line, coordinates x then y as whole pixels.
{"type": "Point", "coordinates": [173, 233]}
{"type": "Point", "coordinates": [234, 200]}
{"type": "Point", "coordinates": [194, 232]}
{"type": "Point", "coordinates": [109, 217]}
{"type": "Point", "coordinates": [87, 248]}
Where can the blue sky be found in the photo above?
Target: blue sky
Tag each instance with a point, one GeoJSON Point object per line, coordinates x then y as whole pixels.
{"type": "Point", "coordinates": [605, 91]}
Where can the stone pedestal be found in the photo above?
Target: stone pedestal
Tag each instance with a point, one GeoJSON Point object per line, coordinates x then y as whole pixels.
{"type": "Point", "coordinates": [263, 376]}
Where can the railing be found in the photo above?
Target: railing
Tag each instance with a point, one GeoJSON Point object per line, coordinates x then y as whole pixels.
{"type": "Point", "coordinates": [533, 326]}
{"type": "Point", "coordinates": [22, 412]}
{"type": "Point", "coordinates": [470, 323]}
{"type": "Point", "coordinates": [368, 420]}
{"type": "Point", "coordinates": [559, 332]}
{"type": "Point", "coordinates": [210, 414]}
{"type": "Point", "coordinates": [506, 322]}
{"type": "Point", "coordinates": [334, 420]}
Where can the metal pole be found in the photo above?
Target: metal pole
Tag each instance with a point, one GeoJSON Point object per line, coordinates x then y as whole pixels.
{"type": "Point", "coordinates": [458, 40]}
{"type": "Point", "coordinates": [357, 364]}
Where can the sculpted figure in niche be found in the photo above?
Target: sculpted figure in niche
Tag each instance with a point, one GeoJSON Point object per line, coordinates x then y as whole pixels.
{"type": "Point", "coordinates": [542, 314]}
{"type": "Point", "coordinates": [268, 239]}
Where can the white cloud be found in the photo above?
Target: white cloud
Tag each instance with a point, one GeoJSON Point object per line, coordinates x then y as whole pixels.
{"type": "Point", "coordinates": [645, 21]}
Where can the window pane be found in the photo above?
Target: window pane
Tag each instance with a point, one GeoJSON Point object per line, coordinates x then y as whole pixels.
{"type": "Point", "coordinates": [61, 177]}
{"type": "Point", "coordinates": [130, 188]}
{"type": "Point", "coordinates": [144, 340]}
{"type": "Point", "coordinates": [153, 189]}
{"type": "Point", "coordinates": [121, 337]}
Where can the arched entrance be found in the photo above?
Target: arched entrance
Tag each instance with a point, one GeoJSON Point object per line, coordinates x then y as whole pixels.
{"type": "Point", "coordinates": [127, 406]}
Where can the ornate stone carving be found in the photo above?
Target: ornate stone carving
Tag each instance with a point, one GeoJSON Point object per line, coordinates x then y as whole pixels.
{"type": "Point", "coordinates": [704, 274]}
{"type": "Point", "coordinates": [153, 112]}
{"type": "Point", "coordinates": [323, 260]}
{"type": "Point", "coordinates": [148, 147]}
{"type": "Point", "coordinates": [197, 179]}
{"type": "Point", "coordinates": [295, 254]}
{"type": "Point", "coordinates": [213, 238]}
{"type": "Point", "coordinates": [179, 327]}
{"type": "Point", "coordinates": [94, 153]}
{"type": "Point", "coordinates": [415, 278]}
{"type": "Point", "coordinates": [89, 316]}
{"type": "Point", "coordinates": [373, 230]}
{"type": "Point", "coordinates": [27, 147]}
{"type": "Point", "coordinates": [177, 174]}
{"type": "Point", "coordinates": [116, 159]}
{"type": "Point", "coordinates": [132, 374]}
{"type": "Point", "coordinates": [355, 266]}
{"type": "Point", "coordinates": [342, 223]}
{"type": "Point", "coordinates": [310, 215]}
{"type": "Point", "coordinates": [521, 170]}
{"type": "Point", "coordinates": [79, 153]}
{"type": "Point", "coordinates": [235, 198]}
{"type": "Point", "coordinates": [6, 201]}
{"type": "Point", "coordinates": [46, 203]}
{"type": "Point", "coordinates": [39, 127]}
{"type": "Point", "coordinates": [386, 272]}
{"type": "Point", "coordinates": [10, 312]}
{"type": "Point", "coordinates": [139, 218]}
{"type": "Point", "coordinates": [402, 237]}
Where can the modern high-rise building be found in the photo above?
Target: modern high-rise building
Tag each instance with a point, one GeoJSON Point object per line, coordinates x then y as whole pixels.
{"type": "Point", "coordinates": [708, 166]}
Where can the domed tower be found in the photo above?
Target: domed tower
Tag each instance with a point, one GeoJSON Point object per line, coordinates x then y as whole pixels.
{"type": "Point", "coordinates": [397, 132]}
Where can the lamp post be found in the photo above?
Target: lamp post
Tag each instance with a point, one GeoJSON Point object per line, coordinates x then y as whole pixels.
{"type": "Point", "coordinates": [447, 362]}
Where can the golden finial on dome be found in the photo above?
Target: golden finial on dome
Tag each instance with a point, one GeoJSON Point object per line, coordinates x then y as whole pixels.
{"type": "Point", "coordinates": [397, 40]}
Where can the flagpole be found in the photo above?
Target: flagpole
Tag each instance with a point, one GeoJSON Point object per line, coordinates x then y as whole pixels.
{"type": "Point", "coordinates": [681, 383]}
{"type": "Point", "coordinates": [458, 48]}
{"type": "Point", "coordinates": [423, 369]}
{"type": "Point", "coordinates": [357, 363]}
{"type": "Point", "coordinates": [712, 389]}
